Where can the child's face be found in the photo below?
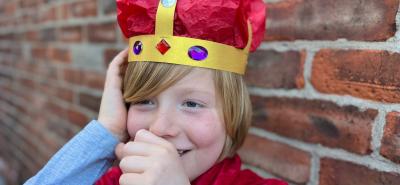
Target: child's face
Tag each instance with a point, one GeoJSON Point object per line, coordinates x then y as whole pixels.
{"type": "Point", "coordinates": [187, 114]}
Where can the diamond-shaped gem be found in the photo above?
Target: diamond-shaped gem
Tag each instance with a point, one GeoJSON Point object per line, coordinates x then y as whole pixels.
{"type": "Point", "coordinates": [163, 46]}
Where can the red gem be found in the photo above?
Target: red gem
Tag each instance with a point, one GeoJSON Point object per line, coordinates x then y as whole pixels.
{"type": "Point", "coordinates": [163, 46]}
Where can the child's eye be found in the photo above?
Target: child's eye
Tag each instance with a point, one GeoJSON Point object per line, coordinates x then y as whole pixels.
{"type": "Point", "coordinates": [143, 102]}
{"type": "Point", "coordinates": [192, 104]}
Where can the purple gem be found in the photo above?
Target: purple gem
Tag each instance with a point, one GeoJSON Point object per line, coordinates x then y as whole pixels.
{"type": "Point", "coordinates": [198, 53]}
{"type": "Point", "coordinates": [137, 47]}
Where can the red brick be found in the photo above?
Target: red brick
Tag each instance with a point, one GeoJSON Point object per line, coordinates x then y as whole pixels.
{"type": "Point", "coordinates": [8, 36]}
{"type": "Point", "coordinates": [39, 52]}
{"type": "Point", "coordinates": [368, 20]}
{"type": "Point", "coordinates": [43, 138]}
{"type": "Point", "coordinates": [52, 54]}
{"type": "Point", "coordinates": [8, 22]}
{"type": "Point", "coordinates": [94, 79]}
{"type": "Point", "coordinates": [62, 55]}
{"type": "Point", "coordinates": [83, 8]}
{"type": "Point", "coordinates": [77, 118]}
{"type": "Point", "coordinates": [109, 55]}
{"type": "Point", "coordinates": [49, 14]}
{"type": "Point", "coordinates": [272, 69]}
{"type": "Point", "coordinates": [70, 34]}
{"type": "Point", "coordinates": [391, 139]}
{"type": "Point", "coordinates": [102, 33]}
{"type": "Point", "coordinates": [369, 74]}
{"type": "Point", "coordinates": [9, 8]}
{"type": "Point", "coordinates": [86, 78]}
{"type": "Point", "coordinates": [61, 129]}
{"type": "Point", "coordinates": [56, 109]}
{"type": "Point", "coordinates": [335, 172]}
{"type": "Point", "coordinates": [276, 158]}
{"type": "Point", "coordinates": [29, 18]}
{"type": "Point", "coordinates": [30, 3]}
{"type": "Point", "coordinates": [65, 94]}
{"type": "Point", "coordinates": [73, 76]}
{"type": "Point", "coordinates": [28, 83]}
{"type": "Point", "coordinates": [32, 35]}
{"type": "Point", "coordinates": [6, 50]}
{"type": "Point", "coordinates": [45, 88]}
{"type": "Point", "coordinates": [24, 96]}
{"type": "Point", "coordinates": [89, 101]}
{"type": "Point", "coordinates": [316, 122]}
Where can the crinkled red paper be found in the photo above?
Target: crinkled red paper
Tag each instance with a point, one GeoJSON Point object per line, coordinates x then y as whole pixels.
{"type": "Point", "coordinates": [226, 172]}
{"type": "Point", "coordinates": [223, 21]}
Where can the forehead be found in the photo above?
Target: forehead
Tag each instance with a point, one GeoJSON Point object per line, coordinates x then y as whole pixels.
{"type": "Point", "coordinates": [198, 80]}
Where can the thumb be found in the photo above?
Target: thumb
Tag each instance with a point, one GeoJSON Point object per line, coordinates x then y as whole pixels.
{"type": "Point", "coordinates": [118, 150]}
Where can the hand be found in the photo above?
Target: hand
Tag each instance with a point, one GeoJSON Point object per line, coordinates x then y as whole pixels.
{"type": "Point", "coordinates": [113, 113]}
{"type": "Point", "coordinates": [151, 160]}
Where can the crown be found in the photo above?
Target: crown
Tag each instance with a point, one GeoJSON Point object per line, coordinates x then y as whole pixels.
{"type": "Point", "coordinates": [164, 47]}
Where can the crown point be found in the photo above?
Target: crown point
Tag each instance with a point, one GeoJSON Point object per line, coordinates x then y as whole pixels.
{"type": "Point", "coordinates": [163, 46]}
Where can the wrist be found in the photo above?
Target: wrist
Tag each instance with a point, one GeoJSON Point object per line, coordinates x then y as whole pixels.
{"type": "Point", "coordinates": [120, 135]}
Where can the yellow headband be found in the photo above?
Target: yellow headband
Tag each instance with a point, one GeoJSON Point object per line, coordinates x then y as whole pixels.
{"type": "Point", "coordinates": [175, 49]}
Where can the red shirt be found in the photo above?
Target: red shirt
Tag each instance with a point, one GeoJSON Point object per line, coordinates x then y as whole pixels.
{"type": "Point", "coordinates": [226, 172]}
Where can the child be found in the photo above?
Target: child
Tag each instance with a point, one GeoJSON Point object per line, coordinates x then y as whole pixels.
{"type": "Point", "coordinates": [188, 109]}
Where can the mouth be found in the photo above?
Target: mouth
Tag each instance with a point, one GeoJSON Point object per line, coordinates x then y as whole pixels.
{"type": "Point", "coordinates": [182, 152]}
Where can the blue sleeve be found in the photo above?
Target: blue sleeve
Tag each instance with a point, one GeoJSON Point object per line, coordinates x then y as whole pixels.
{"type": "Point", "coordinates": [82, 160]}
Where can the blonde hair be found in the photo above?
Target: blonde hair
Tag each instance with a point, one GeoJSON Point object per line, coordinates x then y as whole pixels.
{"type": "Point", "coordinates": [148, 79]}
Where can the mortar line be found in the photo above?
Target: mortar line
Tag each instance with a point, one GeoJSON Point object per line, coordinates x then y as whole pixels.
{"type": "Point", "coordinates": [307, 72]}
{"type": "Point", "coordinates": [377, 132]}
{"type": "Point", "coordinates": [333, 153]}
{"type": "Point", "coordinates": [314, 170]}
{"type": "Point", "coordinates": [59, 23]}
{"type": "Point", "coordinates": [341, 100]}
{"type": "Point", "coordinates": [316, 45]}
{"type": "Point", "coordinates": [397, 35]}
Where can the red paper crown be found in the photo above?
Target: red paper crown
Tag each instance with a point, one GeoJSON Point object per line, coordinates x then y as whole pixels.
{"type": "Point", "coordinates": [218, 27]}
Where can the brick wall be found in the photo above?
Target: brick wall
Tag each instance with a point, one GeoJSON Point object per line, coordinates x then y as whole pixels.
{"type": "Point", "coordinates": [325, 86]}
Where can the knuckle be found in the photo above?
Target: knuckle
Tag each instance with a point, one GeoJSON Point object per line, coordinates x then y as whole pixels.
{"type": "Point", "coordinates": [123, 180]}
{"type": "Point", "coordinates": [170, 146]}
{"type": "Point", "coordinates": [164, 151]}
{"type": "Point", "coordinates": [123, 164]}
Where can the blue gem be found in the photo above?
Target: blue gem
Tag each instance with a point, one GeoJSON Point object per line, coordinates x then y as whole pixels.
{"type": "Point", "coordinates": [137, 47]}
{"type": "Point", "coordinates": [168, 3]}
{"type": "Point", "coordinates": [198, 53]}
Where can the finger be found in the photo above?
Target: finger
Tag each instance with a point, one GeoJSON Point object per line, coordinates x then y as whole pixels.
{"type": "Point", "coordinates": [114, 72]}
{"type": "Point", "coordinates": [134, 164]}
{"type": "Point", "coordinates": [140, 149]}
{"type": "Point", "coordinates": [147, 137]}
{"type": "Point", "coordinates": [119, 150]}
{"type": "Point", "coordinates": [131, 179]}
{"type": "Point", "coordinates": [118, 62]}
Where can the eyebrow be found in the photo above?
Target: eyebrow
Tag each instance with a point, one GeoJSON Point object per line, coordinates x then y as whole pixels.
{"type": "Point", "coordinates": [195, 90]}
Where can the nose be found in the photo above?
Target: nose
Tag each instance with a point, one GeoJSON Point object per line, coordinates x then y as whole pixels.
{"type": "Point", "coordinates": [164, 124]}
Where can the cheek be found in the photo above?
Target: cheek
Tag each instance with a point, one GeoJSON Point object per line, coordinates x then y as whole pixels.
{"type": "Point", "coordinates": [136, 120]}
{"type": "Point", "coordinates": [206, 129]}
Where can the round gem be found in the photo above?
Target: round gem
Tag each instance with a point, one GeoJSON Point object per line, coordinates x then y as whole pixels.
{"type": "Point", "coordinates": [137, 47]}
{"type": "Point", "coordinates": [198, 53]}
{"type": "Point", "coordinates": [168, 3]}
